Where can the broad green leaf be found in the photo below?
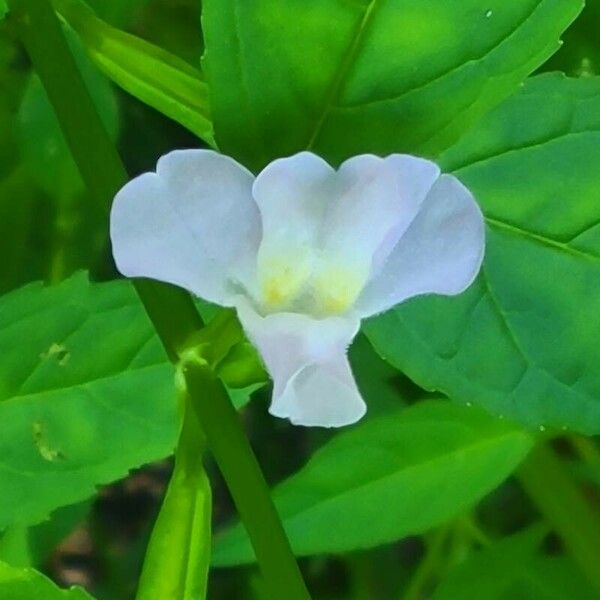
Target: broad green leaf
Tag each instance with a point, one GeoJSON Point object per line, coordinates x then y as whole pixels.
{"type": "Point", "coordinates": [515, 568]}
{"type": "Point", "coordinates": [154, 76]}
{"type": "Point", "coordinates": [27, 584]}
{"type": "Point", "coordinates": [396, 475]}
{"type": "Point", "coordinates": [86, 394]}
{"type": "Point", "coordinates": [3, 9]}
{"type": "Point", "coordinates": [344, 78]}
{"type": "Point", "coordinates": [14, 547]}
{"type": "Point", "coordinates": [523, 340]}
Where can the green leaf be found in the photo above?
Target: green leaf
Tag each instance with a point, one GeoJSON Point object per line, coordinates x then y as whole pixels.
{"type": "Point", "coordinates": [523, 340]}
{"type": "Point", "coordinates": [3, 9]}
{"type": "Point", "coordinates": [154, 76]}
{"type": "Point", "coordinates": [27, 584]}
{"type": "Point", "coordinates": [514, 568]}
{"type": "Point", "coordinates": [397, 475]}
{"type": "Point", "coordinates": [380, 384]}
{"type": "Point", "coordinates": [42, 539]}
{"type": "Point", "coordinates": [86, 394]}
{"type": "Point", "coordinates": [344, 78]}
{"type": "Point", "coordinates": [14, 547]}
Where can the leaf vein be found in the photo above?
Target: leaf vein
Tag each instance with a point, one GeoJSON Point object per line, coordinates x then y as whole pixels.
{"type": "Point", "coordinates": [452, 70]}
{"type": "Point", "coordinates": [343, 70]}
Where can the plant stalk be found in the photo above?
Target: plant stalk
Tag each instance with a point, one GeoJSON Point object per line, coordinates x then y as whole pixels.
{"type": "Point", "coordinates": [248, 488]}
{"type": "Point", "coordinates": [562, 503]}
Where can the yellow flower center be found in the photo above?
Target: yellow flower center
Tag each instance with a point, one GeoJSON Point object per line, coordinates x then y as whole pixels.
{"type": "Point", "coordinates": [305, 284]}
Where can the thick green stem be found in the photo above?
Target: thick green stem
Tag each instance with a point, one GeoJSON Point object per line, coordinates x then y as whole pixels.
{"type": "Point", "coordinates": [248, 488]}
{"type": "Point", "coordinates": [171, 310]}
{"type": "Point", "coordinates": [562, 503]}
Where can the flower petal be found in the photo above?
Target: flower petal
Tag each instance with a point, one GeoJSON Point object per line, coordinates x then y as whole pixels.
{"type": "Point", "coordinates": [440, 253]}
{"type": "Point", "coordinates": [376, 200]}
{"type": "Point", "coordinates": [193, 223]}
{"type": "Point", "coordinates": [292, 195]}
{"type": "Point", "coordinates": [377, 195]}
{"type": "Point", "coordinates": [306, 357]}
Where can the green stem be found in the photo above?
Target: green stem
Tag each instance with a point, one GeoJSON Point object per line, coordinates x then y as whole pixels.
{"type": "Point", "coordinates": [171, 310]}
{"type": "Point", "coordinates": [565, 508]}
{"type": "Point", "coordinates": [427, 566]}
{"type": "Point", "coordinates": [248, 488]}
{"type": "Point", "coordinates": [473, 531]}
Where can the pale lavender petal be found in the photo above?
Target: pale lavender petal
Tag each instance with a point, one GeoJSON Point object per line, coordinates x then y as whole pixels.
{"type": "Point", "coordinates": [306, 358]}
{"type": "Point", "coordinates": [440, 253]}
{"type": "Point", "coordinates": [193, 223]}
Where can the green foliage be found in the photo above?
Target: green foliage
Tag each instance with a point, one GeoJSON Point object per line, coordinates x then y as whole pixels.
{"type": "Point", "coordinates": [119, 13]}
{"type": "Point", "coordinates": [344, 78]}
{"type": "Point", "coordinates": [86, 394]}
{"type": "Point", "coordinates": [27, 584]}
{"type": "Point", "coordinates": [43, 146]}
{"type": "Point", "coordinates": [45, 227]}
{"type": "Point", "coordinates": [523, 340]}
{"type": "Point", "coordinates": [382, 387]}
{"type": "Point", "coordinates": [22, 546]}
{"type": "Point", "coordinates": [156, 77]}
{"type": "Point", "coordinates": [515, 568]}
{"type": "Point", "coordinates": [12, 82]}
{"type": "Point", "coordinates": [17, 224]}
{"type": "Point", "coordinates": [396, 475]}
{"type": "Point", "coordinates": [21, 264]}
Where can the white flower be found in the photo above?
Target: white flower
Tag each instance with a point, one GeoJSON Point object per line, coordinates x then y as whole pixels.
{"type": "Point", "coordinates": [303, 252]}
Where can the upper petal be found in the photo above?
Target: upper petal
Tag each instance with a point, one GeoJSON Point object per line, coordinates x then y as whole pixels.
{"type": "Point", "coordinates": [306, 357]}
{"type": "Point", "coordinates": [193, 223]}
{"type": "Point", "coordinates": [376, 196]}
{"type": "Point", "coordinates": [292, 195]}
{"type": "Point", "coordinates": [375, 201]}
{"type": "Point", "coordinates": [440, 253]}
